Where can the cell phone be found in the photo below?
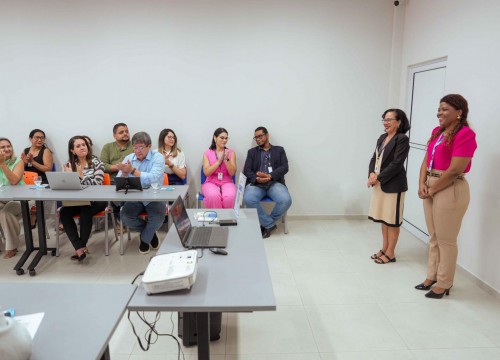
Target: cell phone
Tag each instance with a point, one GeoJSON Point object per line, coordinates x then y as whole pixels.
{"type": "Point", "coordinates": [230, 222]}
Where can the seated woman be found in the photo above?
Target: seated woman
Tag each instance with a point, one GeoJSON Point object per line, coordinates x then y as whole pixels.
{"type": "Point", "coordinates": [91, 172]}
{"type": "Point", "coordinates": [11, 173]}
{"type": "Point", "coordinates": [38, 158]}
{"type": "Point", "coordinates": [175, 161]}
{"type": "Point", "coordinates": [219, 166]}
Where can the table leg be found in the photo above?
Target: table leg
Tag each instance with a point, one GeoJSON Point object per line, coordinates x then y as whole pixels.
{"type": "Point", "coordinates": [42, 239]}
{"type": "Point", "coordinates": [28, 236]}
{"type": "Point", "coordinates": [203, 335]}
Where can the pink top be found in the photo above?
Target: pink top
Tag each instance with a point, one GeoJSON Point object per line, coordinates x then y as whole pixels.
{"type": "Point", "coordinates": [463, 145]}
{"type": "Point", "coordinates": [212, 159]}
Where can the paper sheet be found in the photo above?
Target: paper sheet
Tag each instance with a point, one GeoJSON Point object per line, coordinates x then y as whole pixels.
{"type": "Point", "coordinates": [31, 322]}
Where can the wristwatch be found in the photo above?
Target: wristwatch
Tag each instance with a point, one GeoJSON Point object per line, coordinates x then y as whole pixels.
{"type": "Point", "coordinates": [133, 171]}
{"type": "Point", "coordinates": [171, 166]}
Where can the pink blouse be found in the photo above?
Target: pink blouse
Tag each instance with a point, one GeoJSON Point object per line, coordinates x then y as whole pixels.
{"type": "Point", "coordinates": [463, 145]}
{"type": "Point", "coordinates": [212, 159]}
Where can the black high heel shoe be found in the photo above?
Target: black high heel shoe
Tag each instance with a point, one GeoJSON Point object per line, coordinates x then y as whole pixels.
{"type": "Point", "coordinates": [432, 295]}
{"type": "Point", "coordinates": [423, 287]}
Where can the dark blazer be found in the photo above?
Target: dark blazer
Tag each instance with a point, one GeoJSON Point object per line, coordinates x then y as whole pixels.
{"type": "Point", "coordinates": [392, 175]}
{"type": "Point", "coordinates": [279, 162]}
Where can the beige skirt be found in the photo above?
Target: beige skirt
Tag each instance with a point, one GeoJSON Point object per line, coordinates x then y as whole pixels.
{"type": "Point", "coordinates": [386, 208]}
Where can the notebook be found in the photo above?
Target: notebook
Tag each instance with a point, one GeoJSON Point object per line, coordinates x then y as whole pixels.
{"type": "Point", "coordinates": [196, 236]}
{"type": "Point", "coordinates": [64, 181]}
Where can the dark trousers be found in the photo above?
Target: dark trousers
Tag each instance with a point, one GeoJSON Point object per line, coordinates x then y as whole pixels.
{"type": "Point", "coordinates": [86, 214]}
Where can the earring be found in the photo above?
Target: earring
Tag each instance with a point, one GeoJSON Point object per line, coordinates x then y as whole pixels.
{"type": "Point", "coordinates": [459, 117]}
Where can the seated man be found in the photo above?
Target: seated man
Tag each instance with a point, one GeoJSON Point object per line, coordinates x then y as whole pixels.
{"type": "Point", "coordinates": [147, 164]}
{"type": "Point", "coordinates": [265, 169]}
{"type": "Point", "coordinates": [112, 154]}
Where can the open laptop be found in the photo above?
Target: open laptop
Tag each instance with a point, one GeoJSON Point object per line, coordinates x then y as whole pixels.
{"type": "Point", "coordinates": [64, 181]}
{"type": "Point", "coordinates": [196, 236]}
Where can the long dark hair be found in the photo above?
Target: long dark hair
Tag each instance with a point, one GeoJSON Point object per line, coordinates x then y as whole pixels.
{"type": "Point", "coordinates": [400, 116]}
{"type": "Point", "coordinates": [73, 159]}
{"type": "Point", "coordinates": [457, 102]}
{"type": "Point", "coordinates": [217, 132]}
{"type": "Point", "coordinates": [161, 142]}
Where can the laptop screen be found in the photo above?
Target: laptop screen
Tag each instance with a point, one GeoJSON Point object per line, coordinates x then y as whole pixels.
{"type": "Point", "coordinates": [180, 219]}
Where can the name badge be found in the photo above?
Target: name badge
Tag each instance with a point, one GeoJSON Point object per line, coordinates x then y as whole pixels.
{"type": "Point", "coordinates": [219, 176]}
{"type": "Point", "coordinates": [270, 169]}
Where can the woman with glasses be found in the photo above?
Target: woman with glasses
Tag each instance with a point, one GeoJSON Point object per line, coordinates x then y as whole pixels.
{"type": "Point", "coordinates": [445, 191]}
{"type": "Point", "coordinates": [387, 178]}
{"type": "Point", "coordinates": [175, 161]}
{"type": "Point", "coordinates": [91, 172]}
{"type": "Point", "coordinates": [38, 158]}
{"type": "Point", "coordinates": [11, 173]}
{"type": "Point", "coordinates": [219, 166]}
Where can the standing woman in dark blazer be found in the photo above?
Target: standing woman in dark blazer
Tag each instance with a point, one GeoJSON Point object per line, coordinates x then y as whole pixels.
{"type": "Point", "coordinates": [387, 177]}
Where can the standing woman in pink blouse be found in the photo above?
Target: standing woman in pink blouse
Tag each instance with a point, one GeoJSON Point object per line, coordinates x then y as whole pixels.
{"type": "Point", "coordinates": [219, 166]}
{"type": "Point", "coordinates": [445, 191]}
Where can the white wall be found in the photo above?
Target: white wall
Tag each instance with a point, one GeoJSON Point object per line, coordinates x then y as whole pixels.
{"type": "Point", "coordinates": [316, 73]}
{"type": "Point", "coordinates": [468, 33]}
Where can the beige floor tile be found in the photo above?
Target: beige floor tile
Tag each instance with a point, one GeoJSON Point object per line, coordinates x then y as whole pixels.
{"type": "Point", "coordinates": [353, 327]}
{"type": "Point", "coordinates": [256, 333]}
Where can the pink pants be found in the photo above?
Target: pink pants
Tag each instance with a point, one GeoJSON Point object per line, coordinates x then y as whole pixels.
{"type": "Point", "coordinates": [219, 197]}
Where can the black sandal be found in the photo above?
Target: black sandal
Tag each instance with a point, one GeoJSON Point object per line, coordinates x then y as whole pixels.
{"type": "Point", "coordinates": [375, 256]}
{"type": "Point", "coordinates": [382, 262]}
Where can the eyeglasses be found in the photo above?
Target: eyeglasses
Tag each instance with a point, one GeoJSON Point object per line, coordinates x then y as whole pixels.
{"type": "Point", "coordinates": [388, 120]}
{"type": "Point", "coordinates": [258, 137]}
{"type": "Point", "coordinates": [171, 137]}
{"type": "Point", "coordinates": [39, 137]}
{"type": "Point", "coordinates": [140, 148]}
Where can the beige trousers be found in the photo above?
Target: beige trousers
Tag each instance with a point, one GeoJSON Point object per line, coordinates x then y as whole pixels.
{"type": "Point", "coordinates": [443, 215]}
{"type": "Point", "coordinates": [10, 214]}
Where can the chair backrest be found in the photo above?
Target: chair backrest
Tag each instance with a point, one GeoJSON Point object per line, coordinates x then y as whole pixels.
{"type": "Point", "coordinates": [107, 179]}
{"type": "Point", "coordinates": [204, 177]}
{"type": "Point", "coordinates": [53, 167]}
{"type": "Point", "coordinates": [184, 182]}
{"type": "Point", "coordinates": [165, 179]}
{"type": "Point", "coordinates": [28, 177]}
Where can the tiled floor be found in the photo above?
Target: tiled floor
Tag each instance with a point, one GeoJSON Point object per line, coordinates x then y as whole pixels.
{"type": "Point", "coordinates": [334, 303]}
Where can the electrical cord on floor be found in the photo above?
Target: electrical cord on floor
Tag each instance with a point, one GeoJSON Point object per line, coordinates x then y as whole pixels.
{"type": "Point", "coordinates": [148, 335]}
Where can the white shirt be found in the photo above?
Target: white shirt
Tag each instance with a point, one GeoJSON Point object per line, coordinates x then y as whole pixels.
{"type": "Point", "coordinates": [179, 161]}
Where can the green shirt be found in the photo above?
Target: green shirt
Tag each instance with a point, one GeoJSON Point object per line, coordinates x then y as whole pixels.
{"type": "Point", "coordinates": [112, 154]}
{"type": "Point", "coordinates": [3, 178]}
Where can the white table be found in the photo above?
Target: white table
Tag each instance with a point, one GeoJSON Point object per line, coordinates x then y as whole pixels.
{"type": "Point", "coordinates": [238, 282]}
{"type": "Point", "coordinates": [79, 319]}
{"type": "Point", "coordinates": [24, 193]}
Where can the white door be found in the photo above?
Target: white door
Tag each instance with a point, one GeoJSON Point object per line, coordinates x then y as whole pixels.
{"type": "Point", "coordinates": [426, 87]}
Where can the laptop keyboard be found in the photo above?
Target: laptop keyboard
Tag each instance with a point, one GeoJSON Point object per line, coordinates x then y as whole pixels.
{"type": "Point", "coordinates": [201, 236]}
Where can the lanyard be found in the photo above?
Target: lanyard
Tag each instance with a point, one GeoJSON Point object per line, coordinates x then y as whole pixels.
{"type": "Point", "coordinates": [439, 141]}
{"type": "Point", "coordinates": [379, 153]}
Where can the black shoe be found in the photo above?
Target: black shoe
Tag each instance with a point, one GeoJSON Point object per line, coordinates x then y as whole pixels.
{"type": "Point", "coordinates": [262, 230]}
{"type": "Point", "coordinates": [267, 232]}
{"type": "Point", "coordinates": [432, 295]}
{"type": "Point", "coordinates": [155, 243]}
{"type": "Point", "coordinates": [423, 287]}
{"type": "Point", "coordinates": [79, 258]}
{"type": "Point", "coordinates": [143, 248]}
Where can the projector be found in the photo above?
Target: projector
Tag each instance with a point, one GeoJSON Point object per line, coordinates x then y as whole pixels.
{"type": "Point", "coordinates": [170, 272]}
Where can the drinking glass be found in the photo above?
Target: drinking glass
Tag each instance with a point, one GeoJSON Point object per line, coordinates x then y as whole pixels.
{"type": "Point", "coordinates": [155, 187]}
{"type": "Point", "coordinates": [1, 186]}
{"type": "Point", "coordinates": [37, 180]}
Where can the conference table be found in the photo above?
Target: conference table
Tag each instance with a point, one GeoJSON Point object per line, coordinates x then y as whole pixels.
{"type": "Point", "coordinates": [237, 282]}
{"type": "Point", "coordinates": [78, 321]}
{"type": "Point", "coordinates": [25, 193]}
